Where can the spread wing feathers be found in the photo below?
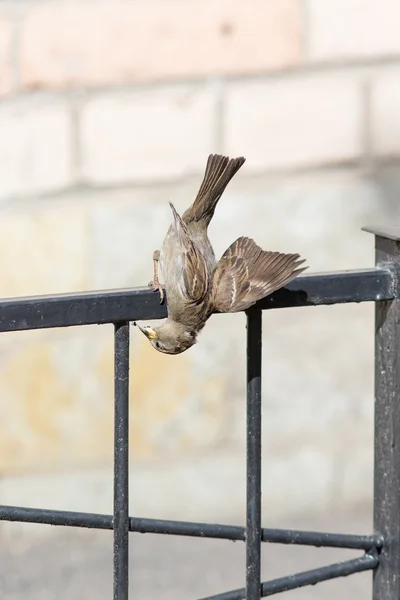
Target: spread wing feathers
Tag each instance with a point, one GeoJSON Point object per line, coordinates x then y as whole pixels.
{"type": "Point", "coordinates": [193, 281]}
{"type": "Point", "coordinates": [219, 171]}
{"type": "Point", "coordinates": [246, 273]}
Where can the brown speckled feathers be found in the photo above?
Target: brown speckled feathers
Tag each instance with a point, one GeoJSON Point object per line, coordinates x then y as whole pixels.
{"type": "Point", "coordinates": [192, 277]}
{"type": "Point", "coordinates": [196, 283]}
{"type": "Point", "coordinates": [246, 273]}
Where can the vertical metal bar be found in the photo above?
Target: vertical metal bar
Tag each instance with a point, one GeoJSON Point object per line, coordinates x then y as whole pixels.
{"type": "Point", "coordinates": [386, 584]}
{"type": "Point", "coordinates": [121, 460]}
{"type": "Point", "coordinates": [253, 456]}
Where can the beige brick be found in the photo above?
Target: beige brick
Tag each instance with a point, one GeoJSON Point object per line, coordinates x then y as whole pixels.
{"type": "Point", "coordinates": [60, 410]}
{"type": "Point", "coordinates": [35, 148]}
{"type": "Point", "coordinates": [343, 29]}
{"type": "Point", "coordinates": [56, 388]}
{"type": "Point", "coordinates": [43, 250]}
{"type": "Point", "coordinates": [57, 391]}
{"type": "Point", "coordinates": [92, 43]}
{"type": "Point", "coordinates": [295, 122]}
{"type": "Point", "coordinates": [5, 55]}
{"type": "Point", "coordinates": [147, 135]}
{"type": "Point", "coordinates": [385, 120]}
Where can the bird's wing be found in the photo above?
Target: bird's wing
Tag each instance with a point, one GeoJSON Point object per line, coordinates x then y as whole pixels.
{"type": "Point", "coordinates": [193, 278]}
{"type": "Point", "coordinates": [246, 273]}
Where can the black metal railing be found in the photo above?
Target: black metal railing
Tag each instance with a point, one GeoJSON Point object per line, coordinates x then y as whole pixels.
{"type": "Point", "coordinates": [381, 550]}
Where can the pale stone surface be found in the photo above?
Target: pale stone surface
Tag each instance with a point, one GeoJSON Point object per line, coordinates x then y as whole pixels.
{"type": "Point", "coordinates": [127, 226]}
{"type": "Point", "coordinates": [35, 147]}
{"type": "Point", "coordinates": [348, 29]}
{"type": "Point", "coordinates": [188, 412]}
{"type": "Point", "coordinates": [87, 43]}
{"type": "Point", "coordinates": [294, 122]}
{"type": "Point", "coordinates": [147, 135]}
{"type": "Point", "coordinates": [318, 363]}
{"type": "Point", "coordinates": [60, 412]}
{"type": "Point", "coordinates": [43, 249]}
{"type": "Point", "coordinates": [61, 407]}
{"type": "Point", "coordinates": [6, 74]}
{"type": "Point", "coordinates": [192, 488]}
{"type": "Point", "coordinates": [385, 102]}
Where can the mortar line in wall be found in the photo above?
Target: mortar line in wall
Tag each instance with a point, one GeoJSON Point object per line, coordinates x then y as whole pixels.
{"type": "Point", "coordinates": [310, 70]}
{"type": "Point", "coordinates": [305, 22]}
{"type": "Point", "coordinates": [75, 149]}
{"type": "Point", "coordinates": [219, 125]}
{"type": "Point", "coordinates": [15, 54]}
{"type": "Point", "coordinates": [366, 125]}
{"type": "Point", "coordinates": [129, 185]}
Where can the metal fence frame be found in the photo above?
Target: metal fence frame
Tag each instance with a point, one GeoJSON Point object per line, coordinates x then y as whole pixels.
{"type": "Point", "coordinates": [381, 550]}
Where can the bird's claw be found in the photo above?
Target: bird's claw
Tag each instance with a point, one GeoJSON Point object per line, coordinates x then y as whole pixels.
{"type": "Point", "coordinates": [157, 287]}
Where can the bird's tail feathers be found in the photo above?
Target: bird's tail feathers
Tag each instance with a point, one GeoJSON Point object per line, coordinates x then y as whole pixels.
{"type": "Point", "coordinates": [219, 171]}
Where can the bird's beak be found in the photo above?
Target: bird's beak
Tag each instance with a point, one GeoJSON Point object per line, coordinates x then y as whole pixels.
{"type": "Point", "coordinates": [147, 330]}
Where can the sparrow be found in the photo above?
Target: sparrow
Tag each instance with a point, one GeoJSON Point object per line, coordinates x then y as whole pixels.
{"type": "Point", "coordinates": [197, 284]}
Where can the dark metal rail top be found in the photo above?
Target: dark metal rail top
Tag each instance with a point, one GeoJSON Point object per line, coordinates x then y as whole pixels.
{"type": "Point", "coordinates": [111, 306]}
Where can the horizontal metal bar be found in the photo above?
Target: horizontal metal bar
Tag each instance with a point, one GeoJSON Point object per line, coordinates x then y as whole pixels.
{"type": "Point", "coordinates": [205, 530]}
{"type": "Point", "coordinates": [321, 540]}
{"type": "Point", "coordinates": [98, 521]}
{"type": "Point", "coordinates": [65, 310]}
{"type": "Point", "coordinates": [368, 285]}
{"type": "Point", "coordinates": [55, 517]}
{"type": "Point", "coordinates": [292, 582]}
{"type": "Point", "coordinates": [187, 529]}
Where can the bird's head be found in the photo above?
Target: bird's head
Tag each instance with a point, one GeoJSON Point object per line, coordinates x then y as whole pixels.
{"type": "Point", "coordinates": [170, 337]}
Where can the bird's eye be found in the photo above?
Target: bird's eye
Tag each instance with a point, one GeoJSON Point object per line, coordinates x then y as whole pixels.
{"type": "Point", "coordinates": [157, 345]}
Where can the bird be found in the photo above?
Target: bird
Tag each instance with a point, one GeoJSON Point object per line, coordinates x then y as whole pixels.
{"type": "Point", "coordinates": [196, 283]}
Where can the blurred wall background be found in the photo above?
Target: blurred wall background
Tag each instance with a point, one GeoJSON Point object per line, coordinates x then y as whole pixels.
{"type": "Point", "coordinates": [108, 110]}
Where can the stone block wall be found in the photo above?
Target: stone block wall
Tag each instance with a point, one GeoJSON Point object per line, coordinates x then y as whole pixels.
{"type": "Point", "coordinates": [108, 110]}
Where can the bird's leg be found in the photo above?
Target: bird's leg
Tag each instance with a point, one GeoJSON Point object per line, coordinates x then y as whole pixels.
{"type": "Point", "coordinates": [155, 284]}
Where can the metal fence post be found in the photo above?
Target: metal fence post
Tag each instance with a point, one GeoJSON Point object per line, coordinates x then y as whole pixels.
{"type": "Point", "coordinates": [386, 584]}
{"type": "Point", "coordinates": [253, 525]}
{"type": "Point", "coordinates": [121, 460]}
